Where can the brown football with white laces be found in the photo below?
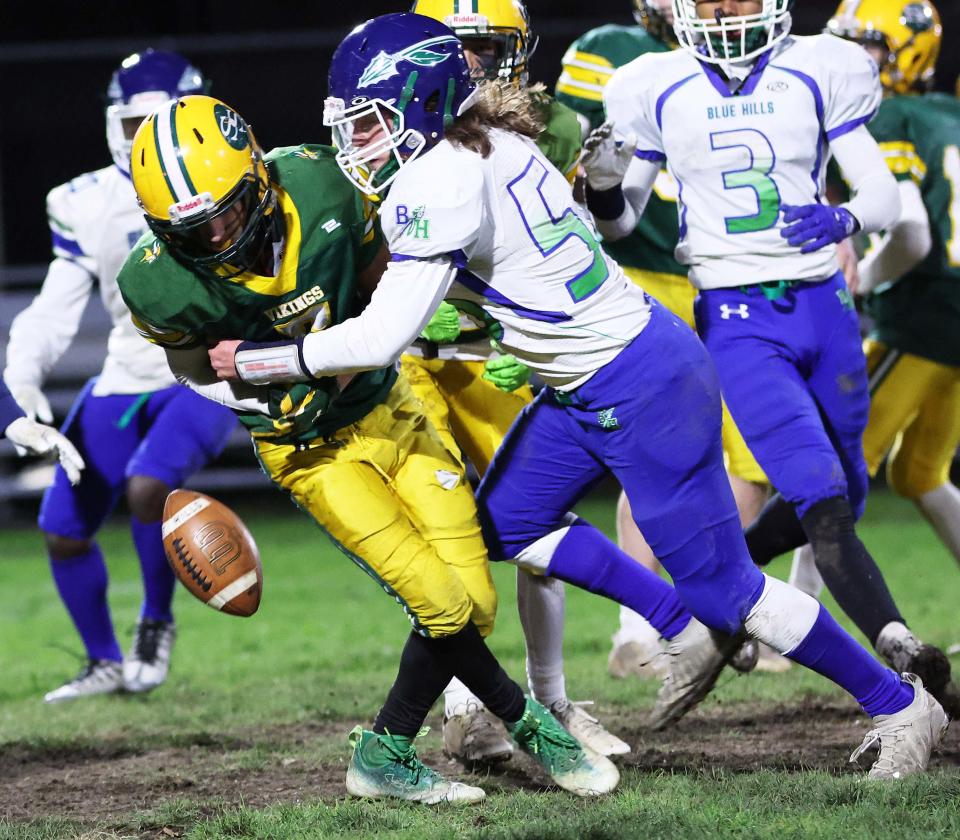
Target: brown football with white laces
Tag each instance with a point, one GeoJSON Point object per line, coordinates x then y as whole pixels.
{"type": "Point", "coordinates": [212, 553]}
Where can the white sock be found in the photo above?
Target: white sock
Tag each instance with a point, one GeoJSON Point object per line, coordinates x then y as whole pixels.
{"type": "Point", "coordinates": [941, 507]}
{"type": "Point", "coordinates": [457, 697]}
{"type": "Point", "coordinates": [540, 601]}
{"type": "Point", "coordinates": [782, 617]}
{"type": "Point", "coordinates": [635, 628]}
{"type": "Point", "coordinates": [804, 574]}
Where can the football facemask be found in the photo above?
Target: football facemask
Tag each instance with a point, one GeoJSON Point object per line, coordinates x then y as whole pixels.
{"type": "Point", "coordinates": [733, 39]}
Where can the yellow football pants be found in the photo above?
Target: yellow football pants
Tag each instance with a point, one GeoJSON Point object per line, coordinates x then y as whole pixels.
{"type": "Point", "coordinates": [914, 415]}
{"type": "Point", "coordinates": [471, 414]}
{"type": "Point", "coordinates": [394, 500]}
{"type": "Point", "coordinates": [677, 295]}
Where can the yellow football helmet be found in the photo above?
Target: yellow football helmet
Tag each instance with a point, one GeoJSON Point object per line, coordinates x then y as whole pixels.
{"type": "Point", "coordinates": [909, 32]}
{"type": "Point", "coordinates": [204, 189]}
{"type": "Point", "coordinates": [503, 24]}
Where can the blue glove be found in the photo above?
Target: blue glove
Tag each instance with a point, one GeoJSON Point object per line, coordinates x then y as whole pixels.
{"type": "Point", "coordinates": [814, 226]}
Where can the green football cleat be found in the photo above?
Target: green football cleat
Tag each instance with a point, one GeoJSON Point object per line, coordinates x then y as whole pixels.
{"type": "Point", "coordinates": [388, 766]}
{"type": "Point", "coordinates": [540, 735]}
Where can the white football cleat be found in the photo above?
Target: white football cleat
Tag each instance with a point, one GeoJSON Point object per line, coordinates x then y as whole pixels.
{"type": "Point", "coordinates": [99, 676]}
{"type": "Point", "coordinates": [696, 657]}
{"type": "Point", "coordinates": [907, 738]}
{"type": "Point", "coordinates": [646, 661]}
{"type": "Point", "coordinates": [587, 729]}
{"type": "Point", "coordinates": [148, 662]}
{"type": "Point", "coordinates": [476, 737]}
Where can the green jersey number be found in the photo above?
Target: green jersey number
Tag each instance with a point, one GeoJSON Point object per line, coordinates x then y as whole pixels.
{"type": "Point", "coordinates": [550, 234]}
{"type": "Point", "coordinates": [760, 160]}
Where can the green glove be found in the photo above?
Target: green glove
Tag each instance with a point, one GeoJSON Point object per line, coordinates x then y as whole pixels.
{"type": "Point", "coordinates": [444, 326]}
{"type": "Point", "coordinates": [506, 372]}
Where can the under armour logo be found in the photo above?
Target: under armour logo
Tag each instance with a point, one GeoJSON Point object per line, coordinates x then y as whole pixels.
{"type": "Point", "coordinates": [727, 311]}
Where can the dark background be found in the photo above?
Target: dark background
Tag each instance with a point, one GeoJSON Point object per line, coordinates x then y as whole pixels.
{"type": "Point", "coordinates": [267, 60]}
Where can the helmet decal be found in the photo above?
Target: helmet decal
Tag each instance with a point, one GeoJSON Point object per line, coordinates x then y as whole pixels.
{"type": "Point", "coordinates": [232, 127]}
{"type": "Point", "coordinates": [917, 17]}
{"type": "Point", "coordinates": [384, 65]}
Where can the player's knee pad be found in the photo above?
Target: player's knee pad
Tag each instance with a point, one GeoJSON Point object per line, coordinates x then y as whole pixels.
{"type": "Point", "coordinates": [65, 548]}
{"type": "Point", "coordinates": [146, 496]}
{"type": "Point", "coordinates": [715, 578]}
{"type": "Point", "coordinates": [535, 556]}
{"type": "Point", "coordinates": [782, 616]}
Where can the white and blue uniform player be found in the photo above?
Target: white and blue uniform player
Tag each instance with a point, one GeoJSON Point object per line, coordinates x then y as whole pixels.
{"type": "Point", "coordinates": [140, 433]}
{"type": "Point", "coordinates": [746, 117]}
{"type": "Point", "coordinates": [630, 390]}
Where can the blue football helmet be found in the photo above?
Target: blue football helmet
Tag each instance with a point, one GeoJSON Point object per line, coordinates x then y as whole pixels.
{"type": "Point", "coordinates": [399, 80]}
{"type": "Point", "coordinates": [142, 83]}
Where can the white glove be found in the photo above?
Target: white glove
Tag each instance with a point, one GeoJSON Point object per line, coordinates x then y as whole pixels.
{"type": "Point", "coordinates": [605, 158]}
{"type": "Point", "coordinates": [38, 439]}
{"type": "Point", "coordinates": [31, 399]}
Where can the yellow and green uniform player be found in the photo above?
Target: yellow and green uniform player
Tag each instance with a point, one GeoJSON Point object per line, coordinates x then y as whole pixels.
{"type": "Point", "coordinates": [646, 255]}
{"type": "Point", "coordinates": [913, 273]}
{"type": "Point", "coordinates": [356, 456]}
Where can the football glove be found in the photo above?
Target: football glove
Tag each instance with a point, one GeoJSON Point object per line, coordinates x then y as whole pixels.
{"type": "Point", "coordinates": [37, 439]}
{"type": "Point", "coordinates": [506, 372]}
{"type": "Point", "coordinates": [31, 399]}
{"type": "Point", "coordinates": [606, 159]}
{"type": "Point", "coordinates": [444, 326]}
{"type": "Point", "coordinates": [814, 226]}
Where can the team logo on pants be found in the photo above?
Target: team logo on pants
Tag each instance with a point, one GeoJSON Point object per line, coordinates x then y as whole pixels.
{"type": "Point", "coordinates": [727, 312]}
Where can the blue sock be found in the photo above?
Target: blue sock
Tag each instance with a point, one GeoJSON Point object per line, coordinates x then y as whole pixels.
{"type": "Point", "coordinates": [830, 650]}
{"type": "Point", "coordinates": [82, 584]}
{"type": "Point", "coordinates": [586, 558]}
{"type": "Point", "coordinates": [158, 577]}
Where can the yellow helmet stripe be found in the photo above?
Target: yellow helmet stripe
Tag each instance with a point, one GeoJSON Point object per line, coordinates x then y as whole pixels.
{"type": "Point", "coordinates": [168, 152]}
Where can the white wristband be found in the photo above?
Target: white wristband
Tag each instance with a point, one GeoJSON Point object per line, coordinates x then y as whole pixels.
{"type": "Point", "coordinates": [271, 363]}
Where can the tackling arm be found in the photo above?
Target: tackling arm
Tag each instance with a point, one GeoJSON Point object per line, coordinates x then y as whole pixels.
{"type": "Point", "coordinates": [407, 295]}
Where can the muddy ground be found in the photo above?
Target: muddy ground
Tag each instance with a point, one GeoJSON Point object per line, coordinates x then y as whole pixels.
{"type": "Point", "coordinates": [111, 781]}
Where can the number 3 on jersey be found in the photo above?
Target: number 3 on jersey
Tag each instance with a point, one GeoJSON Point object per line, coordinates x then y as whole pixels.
{"type": "Point", "coordinates": [550, 234]}
{"type": "Point", "coordinates": [754, 176]}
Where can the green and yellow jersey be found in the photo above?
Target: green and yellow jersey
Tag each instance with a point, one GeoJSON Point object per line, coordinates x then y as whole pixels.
{"type": "Point", "coordinates": [561, 140]}
{"type": "Point", "coordinates": [587, 67]}
{"type": "Point", "coordinates": [920, 139]}
{"type": "Point", "coordinates": [330, 236]}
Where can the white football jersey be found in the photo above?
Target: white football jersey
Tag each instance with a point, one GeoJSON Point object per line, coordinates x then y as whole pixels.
{"type": "Point", "coordinates": [94, 222]}
{"type": "Point", "coordinates": [738, 156]}
{"type": "Point", "coordinates": [531, 261]}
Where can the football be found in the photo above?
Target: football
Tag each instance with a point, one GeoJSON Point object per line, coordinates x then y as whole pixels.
{"type": "Point", "coordinates": [212, 553]}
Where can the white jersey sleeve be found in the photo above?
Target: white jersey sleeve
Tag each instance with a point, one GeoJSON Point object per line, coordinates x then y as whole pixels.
{"type": "Point", "coordinates": [632, 109]}
{"type": "Point", "coordinates": [434, 211]}
{"type": "Point", "coordinates": [851, 82]}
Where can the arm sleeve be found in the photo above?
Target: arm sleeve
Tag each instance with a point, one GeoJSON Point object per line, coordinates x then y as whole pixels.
{"type": "Point", "coordinates": [637, 186]}
{"type": "Point", "coordinates": [191, 367]}
{"type": "Point", "coordinates": [904, 246]}
{"type": "Point", "coordinates": [408, 294]}
{"type": "Point", "coordinates": [9, 410]}
{"type": "Point", "coordinates": [41, 333]}
{"type": "Point", "coordinates": [853, 86]}
{"type": "Point", "coordinates": [626, 101]}
{"type": "Point", "coordinates": [876, 199]}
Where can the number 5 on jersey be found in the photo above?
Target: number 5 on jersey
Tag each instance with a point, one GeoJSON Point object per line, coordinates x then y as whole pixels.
{"type": "Point", "coordinates": [566, 234]}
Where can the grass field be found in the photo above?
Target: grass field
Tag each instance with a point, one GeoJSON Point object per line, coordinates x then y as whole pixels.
{"type": "Point", "coordinates": [248, 737]}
